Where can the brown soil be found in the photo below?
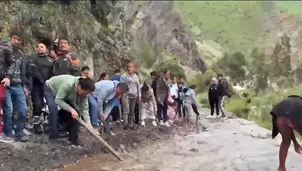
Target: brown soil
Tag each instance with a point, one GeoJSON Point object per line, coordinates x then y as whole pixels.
{"type": "Point", "coordinates": [36, 155]}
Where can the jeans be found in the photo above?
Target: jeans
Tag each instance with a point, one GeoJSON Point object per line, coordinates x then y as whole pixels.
{"type": "Point", "coordinates": [93, 106]}
{"type": "Point", "coordinates": [162, 111]}
{"type": "Point", "coordinates": [2, 98]}
{"type": "Point", "coordinates": [14, 97]}
{"type": "Point", "coordinates": [53, 113]}
{"type": "Point", "coordinates": [93, 110]}
{"type": "Point", "coordinates": [221, 100]}
{"type": "Point", "coordinates": [128, 110]}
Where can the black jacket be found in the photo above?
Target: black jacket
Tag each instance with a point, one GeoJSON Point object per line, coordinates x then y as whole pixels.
{"type": "Point", "coordinates": [7, 60]}
{"type": "Point", "coordinates": [19, 76]}
{"type": "Point", "coordinates": [41, 67]}
{"type": "Point", "coordinates": [153, 85]}
{"type": "Point", "coordinates": [67, 64]}
{"type": "Point", "coordinates": [223, 87]}
{"type": "Point", "coordinates": [214, 91]}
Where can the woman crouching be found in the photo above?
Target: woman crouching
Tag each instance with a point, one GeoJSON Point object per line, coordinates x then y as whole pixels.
{"type": "Point", "coordinates": [287, 116]}
{"type": "Point", "coordinates": [148, 106]}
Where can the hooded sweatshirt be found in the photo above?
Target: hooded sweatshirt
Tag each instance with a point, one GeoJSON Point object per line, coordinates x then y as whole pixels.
{"type": "Point", "coordinates": [189, 97]}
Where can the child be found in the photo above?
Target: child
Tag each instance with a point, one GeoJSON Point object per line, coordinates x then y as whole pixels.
{"type": "Point", "coordinates": [190, 104]}
{"type": "Point", "coordinates": [172, 109]}
{"type": "Point", "coordinates": [148, 106]}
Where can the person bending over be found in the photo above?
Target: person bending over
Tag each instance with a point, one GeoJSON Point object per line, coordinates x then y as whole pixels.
{"type": "Point", "coordinates": [70, 94]}
{"type": "Point", "coordinates": [148, 108]}
{"type": "Point", "coordinates": [102, 100]}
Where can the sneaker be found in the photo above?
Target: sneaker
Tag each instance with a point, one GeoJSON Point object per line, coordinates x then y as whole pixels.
{"type": "Point", "coordinates": [6, 139]}
{"type": "Point", "coordinates": [38, 129]}
{"type": "Point", "coordinates": [154, 123]}
{"type": "Point", "coordinates": [24, 138]}
{"type": "Point", "coordinates": [167, 124]}
{"type": "Point", "coordinates": [143, 123]}
{"type": "Point", "coordinates": [53, 144]}
{"type": "Point", "coordinates": [112, 133]}
{"type": "Point", "coordinates": [161, 122]}
{"type": "Point", "coordinates": [36, 120]}
{"type": "Point", "coordinates": [210, 117]}
{"type": "Point", "coordinates": [26, 132]}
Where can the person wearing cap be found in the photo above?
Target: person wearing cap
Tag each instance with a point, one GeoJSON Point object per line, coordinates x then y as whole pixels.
{"type": "Point", "coordinates": [7, 68]}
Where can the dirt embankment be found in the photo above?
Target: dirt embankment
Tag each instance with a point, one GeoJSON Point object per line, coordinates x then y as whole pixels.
{"type": "Point", "coordinates": [36, 155]}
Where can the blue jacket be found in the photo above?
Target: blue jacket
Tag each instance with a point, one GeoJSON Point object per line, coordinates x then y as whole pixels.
{"type": "Point", "coordinates": [116, 77]}
{"type": "Point", "coordinates": [105, 95]}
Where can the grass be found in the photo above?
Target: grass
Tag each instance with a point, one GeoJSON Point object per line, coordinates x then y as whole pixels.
{"type": "Point", "coordinates": [234, 25]}
{"type": "Point", "coordinates": [292, 7]}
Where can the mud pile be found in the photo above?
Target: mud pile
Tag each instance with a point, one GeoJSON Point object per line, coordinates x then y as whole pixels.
{"type": "Point", "coordinates": [36, 155]}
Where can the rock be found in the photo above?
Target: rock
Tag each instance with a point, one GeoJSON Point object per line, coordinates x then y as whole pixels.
{"type": "Point", "coordinates": [194, 150]}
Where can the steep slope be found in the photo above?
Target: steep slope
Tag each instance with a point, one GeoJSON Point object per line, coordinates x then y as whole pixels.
{"type": "Point", "coordinates": [106, 35]}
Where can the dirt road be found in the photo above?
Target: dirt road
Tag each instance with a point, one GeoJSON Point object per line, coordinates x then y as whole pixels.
{"type": "Point", "coordinates": [226, 145]}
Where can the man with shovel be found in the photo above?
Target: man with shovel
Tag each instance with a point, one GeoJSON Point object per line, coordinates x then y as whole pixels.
{"type": "Point", "coordinates": [70, 94]}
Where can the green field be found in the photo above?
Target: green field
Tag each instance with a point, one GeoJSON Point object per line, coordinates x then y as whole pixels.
{"type": "Point", "coordinates": [292, 7]}
{"type": "Point", "coordinates": [235, 25]}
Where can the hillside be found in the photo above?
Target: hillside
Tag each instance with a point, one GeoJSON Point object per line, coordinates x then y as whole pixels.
{"type": "Point", "coordinates": [241, 26]}
{"type": "Point", "coordinates": [106, 35]}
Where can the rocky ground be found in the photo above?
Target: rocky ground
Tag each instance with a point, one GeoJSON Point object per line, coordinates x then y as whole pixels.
{"type": "Point", "coordinates": [232, 144]}
{"type": "Point", "coordinates": [36, 155]}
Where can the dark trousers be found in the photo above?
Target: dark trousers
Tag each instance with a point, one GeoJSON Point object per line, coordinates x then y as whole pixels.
{"type": "Point", "coordinates": [179, 107]}
{"type": "Point", "coordinates": [136, 113]}
{"type": "Point", "coordinates": [195, 109]}
{"type": "Point", "coordinates": [53, 113]}
{"type": "Point", "coordinates": [214, 103]}
{"type": "Point", "coordinates": [37, 96]}
{"type": "Point", "coordinates": [162, 110]}
{"type": "Point", "coordinates": [115, 113]}
{"type": "Point", "coordinates": [72, 125]}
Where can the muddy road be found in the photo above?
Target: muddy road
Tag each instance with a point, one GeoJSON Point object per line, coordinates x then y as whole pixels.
{"type": "Point", "coordinates": [226, 145]}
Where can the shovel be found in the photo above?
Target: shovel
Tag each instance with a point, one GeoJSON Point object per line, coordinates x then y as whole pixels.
{"type": "Point", "coordinates": [100, 139]}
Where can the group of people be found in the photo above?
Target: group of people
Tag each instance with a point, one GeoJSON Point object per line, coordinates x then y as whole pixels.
{"type": "Point", "coordinates": [54, 77]}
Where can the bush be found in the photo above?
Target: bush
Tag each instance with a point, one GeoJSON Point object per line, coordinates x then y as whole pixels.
{"type": "Point", "coordinates": [146, 57]}
{"type": "Point", "coordinates": [203, 80]}
{"type": "Point", "coordinates": [172, 65]}
{"type": "Point", "coordinates": [238, 106]}
{"type": "Point", "coordinates": [203, 99]}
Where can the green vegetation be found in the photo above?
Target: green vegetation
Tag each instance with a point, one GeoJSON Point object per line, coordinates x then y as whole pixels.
{"type": "Point", "coordinates": [234, 25]}
{"type": "Point", "coordinates": [292, 7]}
